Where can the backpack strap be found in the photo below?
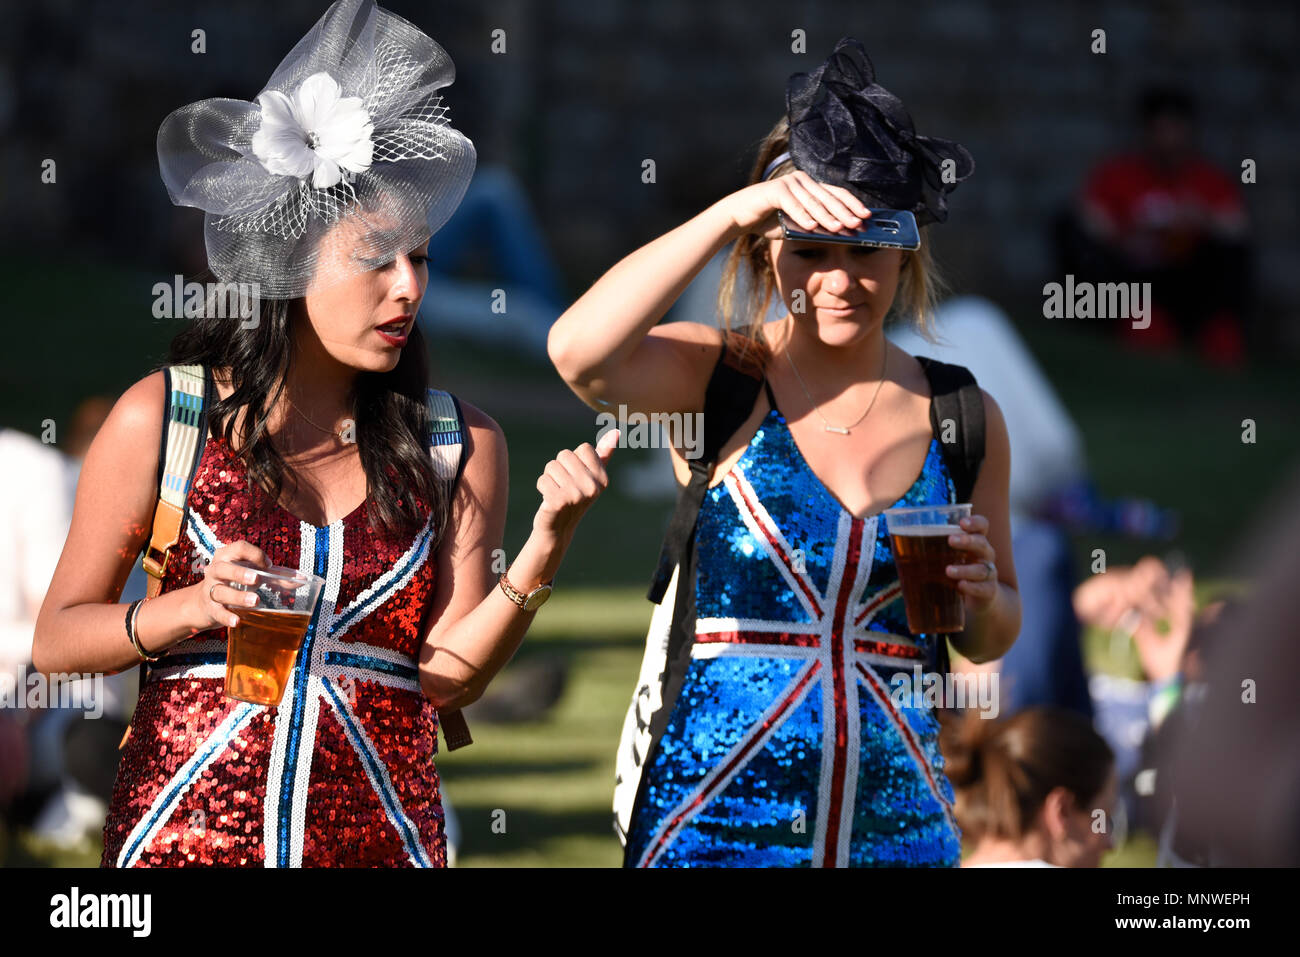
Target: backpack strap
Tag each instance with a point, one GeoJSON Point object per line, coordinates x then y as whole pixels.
{"type": "Point", "coordinates": [956, 410]}
{"type": "Point", "coordinates": [185, 430]}
{"type": "Point", "coordinates": [447, 447]}
{"type": "Point", "coordinates": [728, 401]}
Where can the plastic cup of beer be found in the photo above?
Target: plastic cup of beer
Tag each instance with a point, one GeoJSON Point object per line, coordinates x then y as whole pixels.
{"type": "Point", "coordinates": [263, 647]}
{"type": "Point", "coordinates": [919, 535]}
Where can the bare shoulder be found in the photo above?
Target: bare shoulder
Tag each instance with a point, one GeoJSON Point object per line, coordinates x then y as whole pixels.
{"type": "Point", "coordinates": [479, 423]}
{"type": "Point", "coordinates": [692, 346]}
{"type": "Point", "coordinates": [995, 424]}
{"type": "Point", "coordinates": [485, 448]}
{"type": "Point", "coordinates": [119, 477]}
{"type": "Point", "coordinates": [908, 371]}
{"type": "Point", "coordinates": [136, 421]}
{"type": "Point", "coordinates": [690, 336]}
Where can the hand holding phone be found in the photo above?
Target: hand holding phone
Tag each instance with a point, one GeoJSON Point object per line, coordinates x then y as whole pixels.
{"type": "Point", "coordinates": [887, 228]}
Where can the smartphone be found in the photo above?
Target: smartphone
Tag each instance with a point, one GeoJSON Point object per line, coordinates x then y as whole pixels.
{"type": "Point", "coordinates": [890, 228]}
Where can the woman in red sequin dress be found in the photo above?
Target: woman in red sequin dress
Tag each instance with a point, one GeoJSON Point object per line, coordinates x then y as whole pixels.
{"type": "Point", "coordinates": [316, 457]}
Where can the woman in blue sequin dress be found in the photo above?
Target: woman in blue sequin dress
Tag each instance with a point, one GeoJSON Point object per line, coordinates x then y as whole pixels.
{"type": "Point", "coordinates": [780, 740]}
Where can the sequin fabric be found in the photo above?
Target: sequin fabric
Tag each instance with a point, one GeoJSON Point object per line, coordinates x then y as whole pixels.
{"type": "Point", "coordinates": [341, 773]}
{"type": "Point", "coordinates": [783, 747]}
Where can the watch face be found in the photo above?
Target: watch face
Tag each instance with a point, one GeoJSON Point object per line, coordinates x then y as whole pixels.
{"type": "Point", "coordinates": [537, 596]}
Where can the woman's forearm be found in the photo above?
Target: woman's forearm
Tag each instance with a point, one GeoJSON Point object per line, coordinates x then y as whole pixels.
{"type": "Point", "coordinates": [91, 638]}
{"type": "Point", "coordinates": [990, 636]}
{"type": "Point", "coordinates": [601, 329]}
{"type": "Point", "coordinates": [470, 653]}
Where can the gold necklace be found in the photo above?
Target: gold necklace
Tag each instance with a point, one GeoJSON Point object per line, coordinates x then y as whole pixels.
{"type": "Point", "coordinates": [337, 433]}
{"type": "Point", "coordinates": [839, 429]}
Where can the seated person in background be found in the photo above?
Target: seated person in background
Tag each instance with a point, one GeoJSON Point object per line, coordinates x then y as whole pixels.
{"type": "Point", "coordinates": [1033, 790]}
{"type": "Point", "coordinates": [1165, 214]}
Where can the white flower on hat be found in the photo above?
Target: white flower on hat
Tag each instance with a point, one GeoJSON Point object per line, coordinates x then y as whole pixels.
{"type": "Point", "coordinates": [318, 132]}
{"type": "Point", "coordinates": [275, 177]}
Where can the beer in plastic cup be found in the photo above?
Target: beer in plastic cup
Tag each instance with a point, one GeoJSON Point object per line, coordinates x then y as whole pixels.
{"type": "Point", "coordinates": [263, 647]}
{"type": "Point", "coordinates": [919, 536]}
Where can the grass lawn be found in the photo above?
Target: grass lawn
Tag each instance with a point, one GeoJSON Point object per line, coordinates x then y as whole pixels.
{"type": "Point", "coordinates": [1166, 428]}
{"type": "Point", "coordinates": [554, 779]}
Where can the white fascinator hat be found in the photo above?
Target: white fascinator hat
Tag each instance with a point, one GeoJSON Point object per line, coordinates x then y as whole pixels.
{"type": "Point", "coordinates": [344, 161]}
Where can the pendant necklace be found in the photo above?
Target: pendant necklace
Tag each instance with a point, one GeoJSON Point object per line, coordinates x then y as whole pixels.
{"type": "Point", "coordinates": [839, 429]}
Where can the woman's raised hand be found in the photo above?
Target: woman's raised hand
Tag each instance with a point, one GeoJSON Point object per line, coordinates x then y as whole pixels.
{"type": "Point", "coordinates": [570, 483]}
{"type": "Point", "coordinates": [807, 203]}
{"type": "Point", "coordinates": [210, 597]}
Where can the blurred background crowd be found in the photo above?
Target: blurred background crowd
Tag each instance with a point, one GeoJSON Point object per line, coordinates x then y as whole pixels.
{"type": "Point", "coordinates": [1169, 158]}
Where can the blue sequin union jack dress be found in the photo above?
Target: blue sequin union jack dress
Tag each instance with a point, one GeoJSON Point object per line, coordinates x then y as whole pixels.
{"type": "Point", "coordinates": [783, 747]}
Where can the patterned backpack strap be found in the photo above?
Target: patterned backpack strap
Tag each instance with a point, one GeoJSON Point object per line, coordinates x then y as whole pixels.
{"type": "Point", "coordinates": [184, 433]}
{"type": "Point", "coordinates": [447, 447]}
{"type": "Point", "coordinates": [446, 441]}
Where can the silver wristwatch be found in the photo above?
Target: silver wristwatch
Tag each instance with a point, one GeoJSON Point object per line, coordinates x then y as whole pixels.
{"type": "Point", "coordinates": [530, 602]}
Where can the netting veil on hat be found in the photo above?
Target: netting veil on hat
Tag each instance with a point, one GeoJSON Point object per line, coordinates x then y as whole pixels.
{"type": "Point", "coordinates": [848, 130]}
{"type": "Point", "coordinates": [349, 129]}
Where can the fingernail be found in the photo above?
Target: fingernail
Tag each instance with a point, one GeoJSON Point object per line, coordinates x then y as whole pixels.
{"type": "Point", "coordinates": [250, 577]}
{"type": "Point", "coordinates": [250, 598]}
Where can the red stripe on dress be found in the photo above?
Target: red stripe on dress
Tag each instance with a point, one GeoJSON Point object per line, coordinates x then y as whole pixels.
{"type": "Point", "coordinates": [908, 738]}
{"type": "Point", "coordinates": [886, 648]}
{"type": "Point", "coordinates": [882, 598]}
{"type": "Point", "coordinates": [797, 638]}
{"type": "Point", "coordinates": [706, 793]}
{"type": "Point", "coordinates": [776, 547]}
{"type": "Point", "coordinates": [847, 581]}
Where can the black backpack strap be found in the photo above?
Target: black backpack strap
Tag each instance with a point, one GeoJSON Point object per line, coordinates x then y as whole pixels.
{"type": "Point", "coordinates": [728, 402]}
{"type": "Point", "coordinates": [956, 410]}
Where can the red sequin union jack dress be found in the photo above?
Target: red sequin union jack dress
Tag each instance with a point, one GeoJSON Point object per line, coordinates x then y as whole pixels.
{"type": "Point", "coordinates": [341, 773]}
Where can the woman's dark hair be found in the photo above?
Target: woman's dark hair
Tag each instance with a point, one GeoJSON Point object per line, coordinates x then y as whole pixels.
{"type": "Point", "coordinates": [1003, 770]}
{"type": "Point", "coordinates": [390, 410]}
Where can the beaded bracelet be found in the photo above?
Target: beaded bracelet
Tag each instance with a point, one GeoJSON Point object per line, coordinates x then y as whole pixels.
{"type": "Point", "coordinates": [131, 612]}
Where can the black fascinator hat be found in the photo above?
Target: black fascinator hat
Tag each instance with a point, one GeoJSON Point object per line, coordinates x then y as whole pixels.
{"type": "Point", "coordinates": [848, 130]}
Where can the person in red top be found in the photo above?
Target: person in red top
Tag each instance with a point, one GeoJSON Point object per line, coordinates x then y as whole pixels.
{"type": "Point", "coordinates": [1165, 214]}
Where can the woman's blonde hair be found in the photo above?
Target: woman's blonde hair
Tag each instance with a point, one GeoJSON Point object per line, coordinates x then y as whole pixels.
{"type": "Point", "coordinates": [920, 285]}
